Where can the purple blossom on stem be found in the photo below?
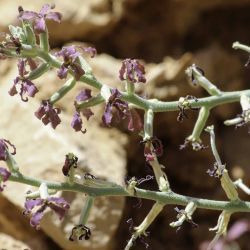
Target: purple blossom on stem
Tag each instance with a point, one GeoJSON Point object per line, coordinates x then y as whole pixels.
{"type": "Point", "coordinates": [69, 55]}
{"type": "Point", "coordinates": [132, 71]}
{"type": "Point", "coordinates": [4, 176]}
{"type": "Point", "coordinates": [57, 204]}
{"type": "Point", "coordinates": [26, 86]}
{"type": "Point", "coordinates": [4, 149]}
{"type": "Point", "coordinates": [48, 114]}
{"type": "Point", "coordinates": [121, 106]}
{"type": "Point", "coordinates": [39, 18]}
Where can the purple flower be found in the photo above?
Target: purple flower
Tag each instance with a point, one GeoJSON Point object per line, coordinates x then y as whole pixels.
{"type": "Point", "coordinates": [135, 122]}
{"type": "Point", "coordinates": [132, 71]}
{"type": "Point", "coordinates": [48, 114]}
{"type": "Point", "coordinates": [39, 18]}
{"type": "Point", "coordinates": [4, 149]}
{"type": "Point", "coordinates": [69, 55]}
{"type": "Point", "coordinates": [57, 204]}
{"type": "Point", "coordinates": [26, 86]}
{"type": "Point", "coordinates": [4, 176]}
{"type": "Point", "coordinates": [80, 232]}
{"type": "Point", "coordinates": [115, 101]}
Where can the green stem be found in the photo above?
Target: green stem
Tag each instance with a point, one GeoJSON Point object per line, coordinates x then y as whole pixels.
{"type": "Point", "coordinates": [40, 70]}
{"type": "Point", "coordinates": [62, 91]}
{"type": "Point", "coordinates": [44, 41]}
{"type": "Point", "coordinates": [86, 210]}
{"type": "Point", "coordinates": [90, 103]}
{"type": "Point", "coordinates": [161, 197]}
{"type": "Point", "coordinates": [155, 105]}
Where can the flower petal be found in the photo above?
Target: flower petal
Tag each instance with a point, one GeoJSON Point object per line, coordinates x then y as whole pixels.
{"type": "Point", "coordinates": [40, 26]}
{"type": "Point", "coordinates": [36, 218]}
{"type": "Point", "coordinates": [62, 72]}
{"type": "Point", "coordinates": [84, 95]}
{"type": "Point", "coordinates": [31, 203]}
{"type": "Point", "coordinates": [55, 16]}
{"type": "Point", "coordinates": [45, 8]}
{"type": "Point", "coordinates": [28, 15]}
{"type": "Point", "coordinates": [4, 174]}
{"type": "Point", "coordinates": [76, 123]}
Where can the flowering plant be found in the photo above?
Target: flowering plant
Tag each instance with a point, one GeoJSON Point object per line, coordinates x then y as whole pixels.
{"type": "Point", "coordinates": [30, 41]}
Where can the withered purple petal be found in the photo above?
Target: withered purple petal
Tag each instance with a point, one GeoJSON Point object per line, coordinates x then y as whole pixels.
{"type": "Point", "coordinates": [76, 123]}
{"type": "Point", "coordinates": [132, 70]}
{"type": "Point", "coordinates": [55, 16]}
{"type": "Point", "coordinates": [135, 122]}
{"type": "Point", "coordinates": [78, 70]}
{"type": "Point", "coordinates": [115, 101]}
{"type": "Point", "coordinates": [107, 116]}
{"type": "Point", "coordinates": [87, 113]}
{"type": "Point", "coordinates": [35, 219]}
{"type": "Point", "coordinates": [62, 72]}
{"type": "Point", "coordinates": [84, 95]}
{"type": "Point", "coordinates": [31, 203]}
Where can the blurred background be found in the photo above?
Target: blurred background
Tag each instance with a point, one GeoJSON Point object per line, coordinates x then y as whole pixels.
{"type": "Point", "coordinates": [168, 36]}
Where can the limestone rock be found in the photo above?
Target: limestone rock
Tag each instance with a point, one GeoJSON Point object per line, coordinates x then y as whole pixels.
{"type": "Point", "coordinates": [7, 242]}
